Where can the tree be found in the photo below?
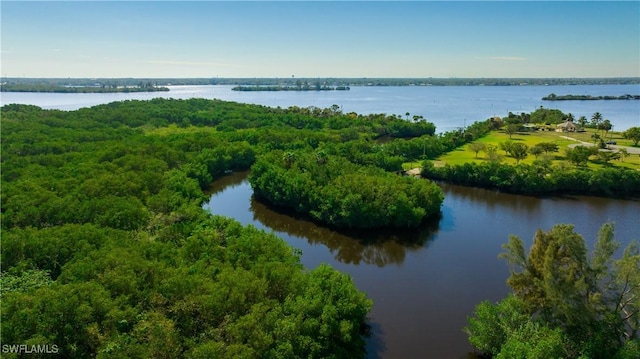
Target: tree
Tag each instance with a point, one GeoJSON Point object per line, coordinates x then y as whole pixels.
{"type": "Point", "coordinates": [548, 146]}
{"type": "Point", "coordinates": [606, 156]}
{"type": "Point", "coordinates": [536, 150]}
{"type": "Point", "coordinates": [595, 119]}
{"type": "Point", "coordinates": [519, 151]}
{"type": "Point", "coordinates": [506, 146]}
{"type": "Point", "coordinates": [623, 154]}
{"type": "Point", "coordinates": [477, 147]}
{"type": "Point", "coordinates": [565, 302]}
{"type": "Point", "coordinates": [605, 126]}
{"type": "Point", "coordinates": [582, 121]}
{"type": "Point", "coordinates": [492, 154]}
{"type": "Point", "coordinates": [579, 155]}
{"type": "Point", "coordinates": [512, 128]}
{"type": "Point", "coordinates": [632, 134]}
{"type": "Point", "coordinates": [289, 157]}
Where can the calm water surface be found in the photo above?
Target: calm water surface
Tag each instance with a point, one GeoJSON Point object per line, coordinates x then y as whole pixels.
{"type": "Point", "coordinates": [426, 282]}
{"type": "Point", "coordinates": [448, 107]}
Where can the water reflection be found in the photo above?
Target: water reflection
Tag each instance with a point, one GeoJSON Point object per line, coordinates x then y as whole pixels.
{"type": "Point", "coordinates": [375, 341]}
{"type": "Point", "coordinates": [425, 282]}
{"type": "Point", "coordinates": [380, 247]}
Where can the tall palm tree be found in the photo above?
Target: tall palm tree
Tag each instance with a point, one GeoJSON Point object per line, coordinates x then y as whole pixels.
{"type": "Point", "coordinates": [595, 119]}
{"type": "Point", "coordinates": [582, 121]}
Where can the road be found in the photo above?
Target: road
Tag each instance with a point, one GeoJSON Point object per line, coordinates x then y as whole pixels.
{"type": "Point", "coordinates": [630, 150]}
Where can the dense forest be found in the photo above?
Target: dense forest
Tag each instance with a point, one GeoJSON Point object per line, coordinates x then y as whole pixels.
{"type": "Point", "coordinates": [335, 191]}
{"type": "Point", "coordinates": [107, 252]}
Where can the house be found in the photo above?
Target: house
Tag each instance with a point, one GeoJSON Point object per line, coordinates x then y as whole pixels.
{"type": "Point", "coordinates": [568, 126]}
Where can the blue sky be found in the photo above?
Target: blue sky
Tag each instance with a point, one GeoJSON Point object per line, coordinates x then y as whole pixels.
{"type": "Point", "coordinates": [320, 39]}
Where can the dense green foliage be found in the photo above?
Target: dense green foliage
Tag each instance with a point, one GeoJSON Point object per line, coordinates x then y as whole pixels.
{"type": "Point", "coordinates": [335, 191]}
{"type": "Point", "coordinates": [632, 134]}
{"type": "Point", "coordinates": [106, 251]}
{"type": "Point", "coordinates": [539, 178]}
{"type": "Point", "coordinates": [565, 302]}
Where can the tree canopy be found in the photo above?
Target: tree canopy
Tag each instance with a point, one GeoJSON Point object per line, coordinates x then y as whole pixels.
{"type": "Point", "coordinates": [566, 302]}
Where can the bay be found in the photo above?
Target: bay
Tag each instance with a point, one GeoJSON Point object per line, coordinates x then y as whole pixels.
{"type": "Point", "coordinates": [448, 107]}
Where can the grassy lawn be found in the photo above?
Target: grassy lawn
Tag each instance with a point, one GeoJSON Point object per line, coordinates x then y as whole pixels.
{"type": "Point", "coordinates": [463, 154]}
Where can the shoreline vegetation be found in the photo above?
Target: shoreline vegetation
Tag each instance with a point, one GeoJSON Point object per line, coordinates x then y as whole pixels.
{"type": "Point", "coordinates": [554, 97]}
{"type": "Point", "coordinates": [95, 88]}
{"type": "Point", "coordinates": [291, 88]}
{"type": "Point", "coordinates": [294, 81]}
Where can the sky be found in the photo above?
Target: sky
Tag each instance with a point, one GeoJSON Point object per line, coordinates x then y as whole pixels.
{"type": "Point", "coordinates": [166, 39]}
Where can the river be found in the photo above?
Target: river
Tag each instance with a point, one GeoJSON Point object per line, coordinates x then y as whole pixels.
{"type": "Point", "coordinates": [448, 107]}
{"type": "Point", "coordinates": [425, 282]}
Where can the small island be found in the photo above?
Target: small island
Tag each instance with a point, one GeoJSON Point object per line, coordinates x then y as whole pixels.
{"type": "Point", "coordinates": [95, 88]}
{"type": "Point", "coordinates": [554, 97]}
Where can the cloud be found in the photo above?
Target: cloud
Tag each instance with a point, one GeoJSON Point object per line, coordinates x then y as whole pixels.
{"type": "Point", "coordinates": [187, 63]}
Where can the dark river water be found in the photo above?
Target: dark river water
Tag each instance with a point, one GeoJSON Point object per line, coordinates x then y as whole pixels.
{"type": "Point", "coordinates": [425, 282]}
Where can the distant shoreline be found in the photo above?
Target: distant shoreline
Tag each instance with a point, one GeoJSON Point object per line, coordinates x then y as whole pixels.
{"type": "Point", "coordinates": [554, 97]}
{"type": "Point", "coordinates": [290, 88]}
{"type": "Point", "coordinates": [297, 82]}
{"type": "Point", "coordinates": [40, 88]}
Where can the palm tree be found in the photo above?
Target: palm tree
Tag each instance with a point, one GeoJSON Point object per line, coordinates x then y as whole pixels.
{"type": "Point", "coordinates": [570, 117]}
{"type": "Point", "coordinates": [595, 119]}
{"type": "Point", "coordinates": [582, 121]}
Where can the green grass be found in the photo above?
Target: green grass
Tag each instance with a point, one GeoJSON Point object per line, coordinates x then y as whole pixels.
{"type": "Point", "coordinates": [464, 154]}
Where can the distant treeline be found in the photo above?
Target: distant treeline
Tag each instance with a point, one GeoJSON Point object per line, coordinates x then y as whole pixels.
{"type": "Point", "coordinates": [362, 81]}
{"type": "Point", "coordinates": [554, 97]}
{"type": "Point", "coordinates": [291, 88]}
{"type": "Point", "coordinates": [99, 88]}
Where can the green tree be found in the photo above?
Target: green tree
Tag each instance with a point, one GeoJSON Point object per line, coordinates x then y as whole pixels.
{"type": "Point", "coordinates": [582, 121]}
{"type": "Point", "coordinates": [511, 129]}
{"type": "Point", "coordinates": [477, 147]}
{"type": "Point", "coordinates": [632, 134]}
{"type": "Point", "coordinates": [506, 146]}
{"type": "Point", "coordinates": [579, 155]}
{"type": "Point", "coordinates": [519, 151]}
{"type": "Point", "coordinates": [592, 299]}
{"type": "Point", "coordinates": [596, 118]}
{"type": "Point", "coordinates": [536, 150]}
{"type": "Point", "coordinates": [492, 154]}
